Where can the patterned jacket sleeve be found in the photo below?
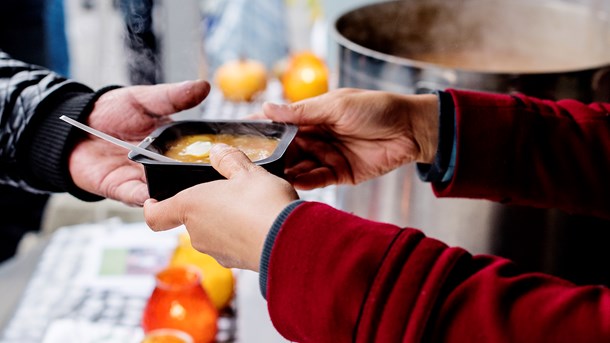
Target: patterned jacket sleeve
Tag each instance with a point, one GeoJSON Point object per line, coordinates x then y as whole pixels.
{"type": "Point", "coordinates": [32, 138]}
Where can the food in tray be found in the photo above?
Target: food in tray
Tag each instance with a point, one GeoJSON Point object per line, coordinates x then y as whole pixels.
{"type": "Point", "coordinates": [195, 148]}
{"type": "Point", "coordinates": [264, 142]}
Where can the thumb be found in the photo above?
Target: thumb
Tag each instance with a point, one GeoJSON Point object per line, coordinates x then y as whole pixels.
{"type": "Point", "coordinates": [169, 98]}
{"type": "Point", "coordinates": [230, 161]}
{"type": "Point", "coordinates": [311, 111]}
{"type": "Point", "coordinates": [164, 215]}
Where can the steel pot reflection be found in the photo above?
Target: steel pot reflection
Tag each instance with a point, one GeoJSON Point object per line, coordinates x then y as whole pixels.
{"type": "Point", "coordinates": [558, 49]}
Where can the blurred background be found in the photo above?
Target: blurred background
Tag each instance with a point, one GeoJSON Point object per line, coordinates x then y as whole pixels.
{"type": "Point", "coordinates": [102, 42]}
{"type": "Point", "coordinates": [140, 42]}
{"type": "Point", "coordinates": [129, 42]}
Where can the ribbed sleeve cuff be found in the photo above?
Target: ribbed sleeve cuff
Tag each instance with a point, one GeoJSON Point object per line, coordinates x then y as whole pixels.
{"type": "Point", "coordinates": [436, 171]}
{"type": "Point", "coordinates": [269, 241]}
{"type": "Point", "coordinates": [53, 140]}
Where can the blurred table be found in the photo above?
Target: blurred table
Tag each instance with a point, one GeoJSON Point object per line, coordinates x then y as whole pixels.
{"type": "Point", "coordinates": [14, 277]}
{"type": "Point", "coordinates": [89, 283]}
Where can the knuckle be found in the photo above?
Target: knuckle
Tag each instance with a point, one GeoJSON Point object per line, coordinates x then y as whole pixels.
{"type": "Point", "coordinates": [220, 156]}
{"type": "Point", "coordinates": [152, 223]}
{"type": "Point", "coordinates": [197, 245]}
{"type": "Point", "coordinates": [298, 107]}
{"type": "Point", "coordinates": [341, 92]}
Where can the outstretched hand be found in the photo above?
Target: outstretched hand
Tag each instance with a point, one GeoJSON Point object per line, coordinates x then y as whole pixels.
{"type": "Point", "coordinates": [227, 219]}
{"type": "Point", "coordinates": [130, 114]}
{"type": "Point", "coordinates": [347, 136]}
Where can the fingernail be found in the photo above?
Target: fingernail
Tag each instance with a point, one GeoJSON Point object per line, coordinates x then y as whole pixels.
{"type": "Point", "coordinates": [218, 147]}
{"type": "Point", "coordinates": [150, 201]}
{"type": "Point", "coordinates": [190, 83]}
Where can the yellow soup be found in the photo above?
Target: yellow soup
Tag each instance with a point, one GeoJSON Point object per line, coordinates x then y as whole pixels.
{"type": "Point", "coordinates": [195, 148]}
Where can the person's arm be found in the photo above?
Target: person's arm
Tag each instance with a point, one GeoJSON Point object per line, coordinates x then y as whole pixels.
{"type": "Point", "coordinates": [32, 153]}
{"type": "Point", "coordinates": [335, 277]}
{"type": "Point", "coordinates": [41, 153]}
{"type": "Point", "coordinates": [348, 136]}
{"type": "Point", "coordinates": [508, 148]}
{"type": "Point", "coordinates": [330, 276]}
{"type": "Point", "coordinates": [521, 150]}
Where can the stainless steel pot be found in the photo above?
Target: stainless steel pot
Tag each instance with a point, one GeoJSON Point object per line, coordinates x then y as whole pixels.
{"type": "Point", "coordinates": [549, 49]}
{"type": "Point", "coordinates": [552, 49]}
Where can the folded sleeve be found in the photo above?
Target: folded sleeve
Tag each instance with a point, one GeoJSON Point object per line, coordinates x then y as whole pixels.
{"type": "Point", "coordinates": [441, 169]}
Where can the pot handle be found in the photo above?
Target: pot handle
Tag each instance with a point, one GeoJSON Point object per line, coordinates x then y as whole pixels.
{"type": "Point", "coordinates": [600, 85]}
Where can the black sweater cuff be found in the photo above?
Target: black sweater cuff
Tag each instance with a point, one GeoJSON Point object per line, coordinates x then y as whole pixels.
{"type": "Point", "coordinates": [269, 241]}
{"type": "Point", "coordinates": [53, 139]}
{"type": "Point", "coordinates": [434, 172]}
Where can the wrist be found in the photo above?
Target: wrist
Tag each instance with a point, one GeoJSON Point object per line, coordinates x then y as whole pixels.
{"type": "Point", "coordinates": [270, 241]}
{"type": "Point", "coordinates": [50, 139]}
{"type": "Point", "coordinates": [425, 123]}
{"type": "Point", "coordinates": [74, 187]}
{"type": "Point", "coordinates": [441, 169]}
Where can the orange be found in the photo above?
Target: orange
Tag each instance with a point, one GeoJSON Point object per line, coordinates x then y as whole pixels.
{"type": "Point", "coordinates": [306, 58]}
{"type": "Point", "coordinates": [305, 76]}
{"type": "Point", "coordinates": [218, 281]}
{"type": "Point", "coordinates": [167, 336]}
{"type": "Point", "coordinates": [242, 79]}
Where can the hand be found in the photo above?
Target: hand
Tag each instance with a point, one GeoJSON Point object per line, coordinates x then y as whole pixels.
{"type": "Point", "coordinates": [348, 136]}
{"type": "Point", "coordinates": [130, 114]}
{"type": "Point", "coordinates": [226, 219]}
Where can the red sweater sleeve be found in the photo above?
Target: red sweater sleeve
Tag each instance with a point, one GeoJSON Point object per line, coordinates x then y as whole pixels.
{"type": "Point", "coordinates": [522, 150]}
{"type": "Point", "coordinates": [335, 277]}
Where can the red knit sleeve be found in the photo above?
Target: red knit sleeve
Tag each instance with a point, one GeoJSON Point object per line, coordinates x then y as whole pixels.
{"type": "Point", "coordinates": [335, 277]}
{"type": "Point", "coordinates": [522, 150]}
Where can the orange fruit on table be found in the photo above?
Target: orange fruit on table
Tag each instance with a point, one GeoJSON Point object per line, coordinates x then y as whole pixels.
{"type": "Point", "coordinates": [242, 79]}
{"type": "Point", "coordinates": [167, 336]}
{"type": "Point", "coordinates": [218, 281]}
{"type": "Point", "coordinates": [306, 58]}
{"type": "Point", "coordinates": [305, 76]}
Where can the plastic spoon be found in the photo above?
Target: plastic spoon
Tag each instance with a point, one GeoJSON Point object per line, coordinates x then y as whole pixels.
{"type": "Point", "coordinates": [128, 146]}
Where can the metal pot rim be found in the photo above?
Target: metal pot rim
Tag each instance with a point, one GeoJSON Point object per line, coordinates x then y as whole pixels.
{"type": "Point", "coordinates": [343, 41]}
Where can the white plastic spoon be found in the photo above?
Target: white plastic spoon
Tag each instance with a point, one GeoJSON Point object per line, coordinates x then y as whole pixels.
{"type": "Point", "coordinates": [150, 154]}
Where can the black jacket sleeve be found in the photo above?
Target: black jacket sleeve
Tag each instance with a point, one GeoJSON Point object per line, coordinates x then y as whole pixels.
{"type": "Point", "coordinates": [34, 143]}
